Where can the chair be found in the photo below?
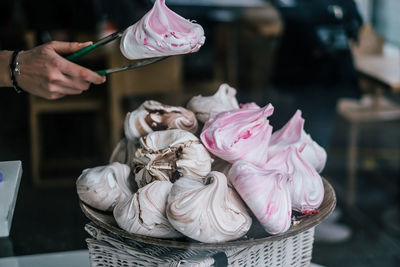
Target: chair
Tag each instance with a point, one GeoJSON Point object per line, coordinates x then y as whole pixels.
{"type": "Point", "coordinates": [91, 102]}
{"type": "Point", "coordinates": [367, 111]}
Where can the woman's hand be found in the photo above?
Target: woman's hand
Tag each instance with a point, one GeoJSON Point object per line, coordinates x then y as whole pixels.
{"type": "Point", "coordinates": [45, 73]}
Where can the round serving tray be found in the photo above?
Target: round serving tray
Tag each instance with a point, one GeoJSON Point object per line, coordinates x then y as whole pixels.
{"type": "Point", "coordinates": [255, 236]}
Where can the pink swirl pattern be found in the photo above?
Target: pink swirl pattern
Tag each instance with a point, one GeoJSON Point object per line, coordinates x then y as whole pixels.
{"type": "Point", "coordinates": [306, 187]}
{"type": "Point", "coordinates": [239, 135]}
{"type": "Point", "coordinates": [266, 193]}
{"type": "Point", "coordinates": [293, 134]}
{"type": "Point", "coordinates": [161, 32]}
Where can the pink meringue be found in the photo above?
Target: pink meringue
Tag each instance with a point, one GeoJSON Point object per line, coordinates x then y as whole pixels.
{"type": "Point", "coordinates": [266, 193]}
{"type": "Point", "coordinates": [161, 32]}
{"type": "Point", "coordinates": [239, 135]}
{"type": "Point", "coordinates": [154, 116]}
{"type": "Point", "coordinates": [210, 212]}
{"type": "Point", "coordinates": [306, 187]}
{"type": "Point", "coordinates": [208, 106]}
{"type": "Point", "coordinates": [293, 134]}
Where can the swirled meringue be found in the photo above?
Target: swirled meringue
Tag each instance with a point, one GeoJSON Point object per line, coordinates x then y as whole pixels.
{"type": "Point", "coordinates": [153, 116]}
{"type": "Point", "coordinates": [103, 187]}
{"type": "Point", "coordinates": [306, 187]}
{"type": "Point", "coordinates": [144, 212]}
{"type": "Point", "coordinates": [241, 134]}
{"type": "Point", "coordinates": [209, 212]}
{"type": "Point", "coordinates": [161, 32]}
{"type": "Point", "coordinates": [207, 106]}
{"type": "Point", "coordinates": [293, 134]}
{"type": "Point", "coordinates": [170, 154]}
{"type": "Point", "coordinates": [266, 193]}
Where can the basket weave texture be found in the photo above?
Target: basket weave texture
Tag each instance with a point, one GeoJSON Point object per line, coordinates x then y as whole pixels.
{"type": "Point", "coordinates": [108, 249]}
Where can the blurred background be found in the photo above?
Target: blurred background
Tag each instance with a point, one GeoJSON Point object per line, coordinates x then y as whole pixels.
{"type": "Point", "coordinates": [336, 60]}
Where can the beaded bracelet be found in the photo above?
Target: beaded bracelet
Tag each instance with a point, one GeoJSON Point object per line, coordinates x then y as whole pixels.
{"type": "Point", "coordinates": [14, 68]}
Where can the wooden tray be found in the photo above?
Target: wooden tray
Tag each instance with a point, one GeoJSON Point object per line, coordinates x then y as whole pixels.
{"type": "Point", "coordinates": [255, 236]}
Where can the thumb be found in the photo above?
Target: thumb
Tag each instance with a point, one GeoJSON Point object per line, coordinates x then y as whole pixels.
{"type": "Point", "coordinates": [67, 47]}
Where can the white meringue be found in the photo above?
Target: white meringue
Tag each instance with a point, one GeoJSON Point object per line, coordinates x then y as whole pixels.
{"type": "Point", "coordinates": [144, 212]}
{"type": "Point", "coordinates": [241, 134]}
{"type": "Point", "coordinates": [103, 187]}
{"type": "Point", "coordinates": [161, 32]}
{"type": "Point", "coordinates": [207, 106]}
{"type": "Point", "coordinates": [154, 116]}
{"type": "Point", "coordinates": [306, 187]}
{"type": "Point", "coordinates": [170, 154]}
{"type": "Point", "coordinates": [209, 212]}
{"type": "Point", "coordinates": [293, 134]}
{"type": "Point", "coordinates": [266, 193]}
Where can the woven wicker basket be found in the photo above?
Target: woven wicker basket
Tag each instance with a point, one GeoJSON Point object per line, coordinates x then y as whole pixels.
{"type": "Point", "coordinates": [111, 246]}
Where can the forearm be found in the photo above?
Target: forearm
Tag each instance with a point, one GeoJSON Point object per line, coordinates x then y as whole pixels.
{"type": "Point", "coordinates": [5, 80]}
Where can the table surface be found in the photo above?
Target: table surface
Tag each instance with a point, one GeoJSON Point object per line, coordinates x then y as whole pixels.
{"type": "Point", "coordinates": [384, 69]}
{"type": "Point", "coordinates": [12, 171]}
{"type": "Point", "coordinates": [76, 258]}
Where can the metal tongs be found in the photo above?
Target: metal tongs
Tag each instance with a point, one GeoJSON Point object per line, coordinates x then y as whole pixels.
{"type": "Point", "coordinates": [90, 48]}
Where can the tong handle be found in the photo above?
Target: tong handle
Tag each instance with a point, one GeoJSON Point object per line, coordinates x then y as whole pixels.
{"type": "Point", "coordinates": [73, 57]}
{"type": "Point", "coordinates": [138, 64]}
{"type": "Point", "coordinates": [86, 50]}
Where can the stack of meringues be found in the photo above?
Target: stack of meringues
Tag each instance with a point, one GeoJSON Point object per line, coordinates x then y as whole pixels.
{"type": "Point", "coordinates": [164, 181]}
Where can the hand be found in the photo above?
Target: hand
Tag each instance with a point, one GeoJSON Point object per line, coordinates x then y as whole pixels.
{"type": "Point", "coordinates": [45, 73]}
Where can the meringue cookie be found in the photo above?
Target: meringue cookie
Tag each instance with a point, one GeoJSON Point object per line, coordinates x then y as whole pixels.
{"type": "Point", "coordinates": [241, 134]}
{"type": "Point", "coordinates": [266, 193]}
{"type": "Point", "coordinates": [153, 116]}
{"type": "Point", "coordinates": [209, 212]}
{"type": "Point", "coordinates": [103, 187]}
{"type": "Point", "coordinates": [207, 106]}
{"type": "Point", "coordinates": [161, 32]}
{"type": "Point", "coordinates": [168, 155]}
{"type": "Point", "coordinates": [293, 134]}
{"type": "Point", "coordinates": [144, 212]}
{"type": "Point", "coordinates": [306, 187]}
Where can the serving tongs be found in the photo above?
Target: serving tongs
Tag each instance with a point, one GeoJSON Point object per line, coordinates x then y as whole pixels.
{"type": "Point", "coordinates": [90, 48]}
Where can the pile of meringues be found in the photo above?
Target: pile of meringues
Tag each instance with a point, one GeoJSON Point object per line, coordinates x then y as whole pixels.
{"type": "Point", "coordinates": [164, 181]}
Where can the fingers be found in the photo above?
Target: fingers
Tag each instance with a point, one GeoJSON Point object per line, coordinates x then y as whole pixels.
{"type": "Point", "coordinates": [67, 47]}
{"type": "Point", "coordinates": [71, 69]}
{"type": "Point", "coordinates": [56, 91]}
{"type": "Point", "coordinates": [80, 73]}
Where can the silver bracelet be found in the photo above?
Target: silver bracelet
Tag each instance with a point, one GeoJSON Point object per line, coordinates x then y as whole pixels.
{"type": "Point", "coordinates": [15, 68]}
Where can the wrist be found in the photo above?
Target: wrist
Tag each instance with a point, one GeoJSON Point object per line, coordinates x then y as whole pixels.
{"type": "Point", "coordinates": [14, 68]}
